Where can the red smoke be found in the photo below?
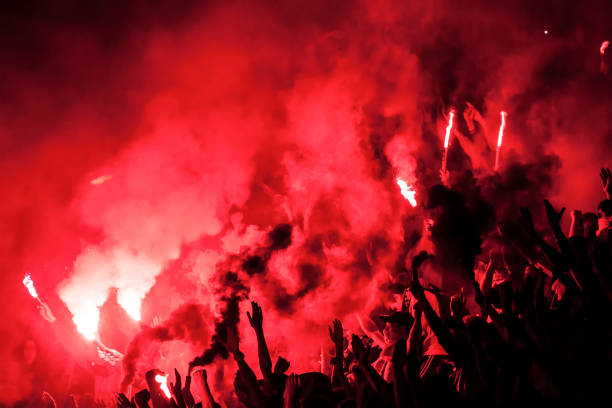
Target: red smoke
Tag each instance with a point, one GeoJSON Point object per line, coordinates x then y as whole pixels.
{"type": "Point", "coordinates": [144, 146]}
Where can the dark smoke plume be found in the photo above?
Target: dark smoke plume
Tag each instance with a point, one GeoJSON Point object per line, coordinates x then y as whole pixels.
{"type": "Point", "coordinates": [187, 323]}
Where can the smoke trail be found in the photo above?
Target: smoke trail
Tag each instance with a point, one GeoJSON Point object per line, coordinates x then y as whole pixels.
{"type": "Point", "coordinates": [230, 289]}
{"type": "Point", "coordinates": [189, 323]}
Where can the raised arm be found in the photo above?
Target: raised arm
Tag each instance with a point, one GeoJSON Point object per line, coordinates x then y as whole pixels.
{"type": "Point", "coordinates": [445, 337]}
{"type": "Point", "coordinates": [606, 179]}
{"type": "Point", "coordinates": [201, 377]}
{"type": "Point", "coordinates": [256, 320]}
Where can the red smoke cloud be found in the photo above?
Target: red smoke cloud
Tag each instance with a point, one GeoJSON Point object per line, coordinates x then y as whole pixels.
{"type": "Point", "coordinates": [204, 126]}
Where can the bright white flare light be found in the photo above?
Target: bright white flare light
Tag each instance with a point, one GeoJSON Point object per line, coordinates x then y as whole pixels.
{"type": "Point", "coordinates": [163, 384]}
{"type": "Point", "coordinates": [603, 47]}
{"type": "Point", "coordinates": [28, 283]}
{"type": "Point", "coordinates": [86, 322]}
{"type": "Point", "coordinates": [451, 116]}
{"type": "Point", "coordinates": [502, 126]}
{"type": "Point", "coordinates": [407, 191]}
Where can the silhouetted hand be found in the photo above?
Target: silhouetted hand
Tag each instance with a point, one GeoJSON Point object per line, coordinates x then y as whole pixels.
{"type": "Point", "coordinates": [124, 402]}
{"type": "Point", "coordinates": [177, 390]}
{"type": "Point", "coordinates": [337, 333]}
{"type": "Point", "coordinates": [281, 366]}
{"type": "Point", "coordinates": [187, 395]}
{"type": "Point", "coordinates": [553, 217]}
{"type": "Point", "coordinates": [291, 386]}
{"type": "Point", "coordinates": [606, 179]}
{"type": "Point", "coordinates": [256, 318]}
{"type": "Point", "coordinates": [374, 353]}
{"type": "Point", "coordinates": [457, 305]}
{"type": "Point", "coordinates": [142, 398]}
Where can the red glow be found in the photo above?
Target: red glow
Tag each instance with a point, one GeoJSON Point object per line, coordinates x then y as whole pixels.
{"type": "Point", "coordinates": [603, 47]}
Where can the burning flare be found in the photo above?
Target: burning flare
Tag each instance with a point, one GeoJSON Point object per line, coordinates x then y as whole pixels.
{"type": "Point", "coordinates": [449, 127]}
{"type": "Point", "coordinates": [407, 191]}
{"type": "Point", "coordinates": [603, 47]}
{"type": "Point", "coordinates": [163, 384]}
{"type": "Point", "coordinates": [28, 283]}
{"type": "Point", "coordinates": [500, 137]}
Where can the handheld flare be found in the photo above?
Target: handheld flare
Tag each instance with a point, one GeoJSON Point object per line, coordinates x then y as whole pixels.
{"type": "Point", "coordinates": [500, 137]}
{"type": "Point", "coordinates": [407, 191]}
{"type": "Point", "coordinates": [162, 380]}
{"type": "Point", "coordinates": [29, 284]}
{"type": "Point", "coordinates": [449, 127]}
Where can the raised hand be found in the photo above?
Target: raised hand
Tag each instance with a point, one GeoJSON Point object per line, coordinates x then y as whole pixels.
{"type": "Point", "coordinates": [554, 217]}
{"type": "Point", "coordinates": [124, 402]}
{"type": "Point", "coordinates": [291, 387]}
{"type": "Point", "coordinates": [142, 398]}
{"type": "Point", "coordinates": [177, 390]}
{"type": "Point", "coordinates": [445, 177]}
{"type": "Point", "coordinates": [457, 305]}
{"type": "Point", "coordinates": [281, 366]}
{"type": "Point", "coordinates": [468, 115]}
{"type": "Point", "coordinates": [45, 312]}
{"type": "Point", "coordinates": [256, 317]}
{"type": "Point", "coordinates": [337, 333]}
{"type": "Point", "coordinates": [606, 179]}
{"type": "Point", "coordinates": [187, 395]}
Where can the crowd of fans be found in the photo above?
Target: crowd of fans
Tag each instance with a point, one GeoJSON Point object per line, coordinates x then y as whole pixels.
{"type": "Point", "coordinates": [544, 338]}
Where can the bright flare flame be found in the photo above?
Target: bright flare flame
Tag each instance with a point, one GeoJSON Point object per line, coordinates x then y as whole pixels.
{"type": "Point", "coordinates": [86, 322]}
{"type": "Point", "coordinates": [163, 384]}
{"type": "Point", "coordinates": [449, 127]}
{"type": "Point", "coordinates": [603, 47]}
{"type": "Point", "coordinates": [28, 283]}
{"type": "Point", "coordinates": [100, 180]}
{"type": "Point", "coordinates": [502, 126]}
{"type": "Point", "coordinates": [407, 191]}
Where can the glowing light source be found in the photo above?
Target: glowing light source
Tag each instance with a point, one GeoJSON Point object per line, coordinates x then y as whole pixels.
{"type": "Point", "coordinates": [28, 283]}
{"type": "Point", "coordinates": [86, 321]}
{"type": "Point", "coordinates": [500, 137]}
{"type": "Point", "coordinates": [407, 191]}
{"type": "Point", "coordinates": [100, 180]}
{"type": "Point", "coordinates": [546, 32]}
{"type": "Point", "coordinates": [162, 380]}
{"type": "Point", "coordinates": [449, 127]}
{"type": "Point", "coordinates": [603, 47]}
